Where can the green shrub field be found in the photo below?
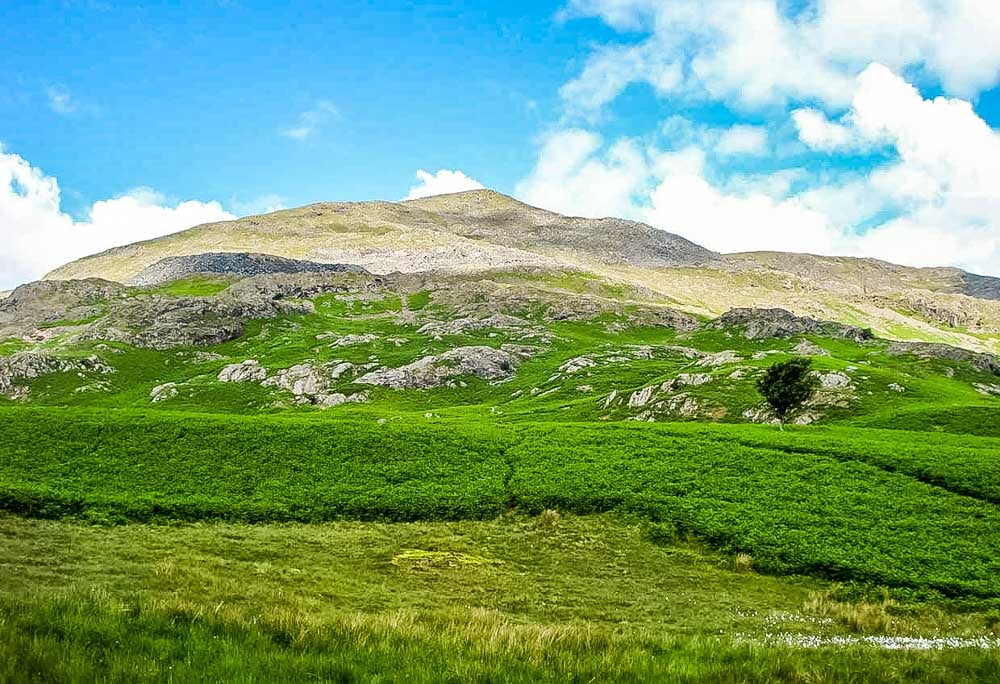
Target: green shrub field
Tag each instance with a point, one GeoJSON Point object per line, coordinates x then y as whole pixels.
{"type": "Point", "coordinates": [841, 510]}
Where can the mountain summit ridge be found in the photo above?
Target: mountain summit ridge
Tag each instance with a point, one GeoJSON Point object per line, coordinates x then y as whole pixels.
{"type": "Point", "coordinates": [482, 230]}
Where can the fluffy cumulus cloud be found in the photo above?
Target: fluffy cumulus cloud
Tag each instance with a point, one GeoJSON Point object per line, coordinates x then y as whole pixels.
{"type": "Point", "coordinates": [573, 179]}
{"type": "Point", "coordinates": [443, 182]}
{"type": "Point", "coordinates": [818, 132]}
{"type": "Point", "coordinates": [844, 155]}
{"type": "Point", "coordinates": [934, 203]}
{"type": "Point", "coordinates": [38, 235]}
{"type": "Point", "coordinates": [757, 53]}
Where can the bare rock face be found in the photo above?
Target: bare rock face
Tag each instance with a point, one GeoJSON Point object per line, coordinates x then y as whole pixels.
{"type": "Point", "coordinates": [640, 398]}
{"type": "Point", "coordinates": [578, 308]}
{"type": "Point", "coordinates": [436, 371]}
{"type": "Point", "coordinates": [247, 371]}
{"type": "Point", "coordinates": [31, 365]}
{"type": "Point", "coordinates": [758, 324]}
{"type": "Point", "coordinates": [239, 264]}
{"type": "Point", "coordinates": [169, 322]}
{"type": "Point", "coordinates": [336, 399]}
{"type": "Point", "coordinates": [985, 363]}
{"type": "Point", "coordinates": [577, 364]}
{"type": "Point", "coordinates": [46, 303]}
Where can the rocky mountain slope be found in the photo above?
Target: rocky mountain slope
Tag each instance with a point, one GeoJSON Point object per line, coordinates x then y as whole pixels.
{"type": "Point", "coordinates": [476, 302]}
{"type": "Point", "coordinates": [482, 230]}
{"type": "Point", "coordinates": [503, 343]}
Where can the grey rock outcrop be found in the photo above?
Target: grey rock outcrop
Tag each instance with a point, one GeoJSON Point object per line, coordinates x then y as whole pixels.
{"type": "Point", "coordinates": [168, 322]}
{"type": "Point", "coordinates": [238, 264]}
{"type": "Point", "coordinates": [460, 326]}
{"type": "Point", "coordinates": [301, 380]}
{"type": "Point", "coordinates": [30, 365]}
{"type": "Point", "coordinates": [349, 340]}
{"type": "Point", "coordinates": [834, 380]}
{"type": "Point", "coordinates": [985, 363]}
{"type": "Point", "coordinates": [246, 371]}
{"type": "Point", "coordinates": [163, 392]}
{"type": "Point", "coordinates": [47, 303]}
{"type": "Point", "coordinates": [758, 324]}
{"type": "Point", "coordinates": [807, 348]}
{"type": "Point", "coordinates": [437, 370]}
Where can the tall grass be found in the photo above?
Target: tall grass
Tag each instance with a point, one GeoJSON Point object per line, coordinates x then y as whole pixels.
{"type": "Point", "coordinates": [95, 638]}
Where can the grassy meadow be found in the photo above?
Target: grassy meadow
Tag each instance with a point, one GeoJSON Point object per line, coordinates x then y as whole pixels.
{"type": "Point", "coordinates": [536, 529]}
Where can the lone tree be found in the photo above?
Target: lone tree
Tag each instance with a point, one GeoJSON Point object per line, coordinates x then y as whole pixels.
{"type": "Point", "coordinates": [787, 385]}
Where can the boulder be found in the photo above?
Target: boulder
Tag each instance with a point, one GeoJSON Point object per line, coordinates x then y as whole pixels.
{"type": "Point", "coordinates": [352, 340]}
{"type": "Point", "coordinates": [721, 358]}
{"type": "Point", "coordinates": [437, 370]}
{"type": "Point", "coordinates": [807, 348]}
{"type": "Point", "coordinates": [163, 392]}
{"type": "Point", "coordinates": [301, 380]}
{"type": "Point", "coordinates": [246, 371]}
{"type": "Point", "coordinates": [834, 380]}
{"type": "Point", "coordinates": [640, 398]}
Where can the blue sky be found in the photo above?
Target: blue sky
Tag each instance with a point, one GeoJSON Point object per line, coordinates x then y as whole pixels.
{"type": "Point", "coordinates": [750, 124]}
{"type": "Point", "coordinates": [192, 101]}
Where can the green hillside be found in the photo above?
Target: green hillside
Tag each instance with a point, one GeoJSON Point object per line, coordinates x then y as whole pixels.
{"type": "Point", "coordinates": [518, 475]}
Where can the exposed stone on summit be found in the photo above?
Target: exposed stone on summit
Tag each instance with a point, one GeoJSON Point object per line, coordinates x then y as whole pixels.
{"type": "Point", "coordinates": [437, 370]}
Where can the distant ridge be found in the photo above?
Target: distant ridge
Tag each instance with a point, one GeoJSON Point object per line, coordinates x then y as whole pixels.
{"type": "Point", "coordinates": [483, 230]}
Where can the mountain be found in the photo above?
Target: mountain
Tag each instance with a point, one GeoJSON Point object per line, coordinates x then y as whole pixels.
{"type": "Point", "coordinates": [483, 230]}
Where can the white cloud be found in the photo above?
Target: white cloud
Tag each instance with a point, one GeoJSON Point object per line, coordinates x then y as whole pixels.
{"type": "Point", "coordinates": [935, 203]}
{"type": "Point", "coordinates": [758, 53]}
{"type": "Point", "coordinates": [689, 205]}
{"type": "Point", "coordinates": [311, 121]}
{"type": "Point", "coordinates": [570, 178]}
{"type": "Point", "coordinates": [819, 133]}
{"type": "Point", "coordinates": [742, 140]}
{"type": "Point", "coordinates": [444, 182]}
{"type": "Point", "coordinates": [61, 101]}
{"type": "Point", "coordinates": [609, 71]}
{"type": "Point", "coordinates": [38, 236]}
